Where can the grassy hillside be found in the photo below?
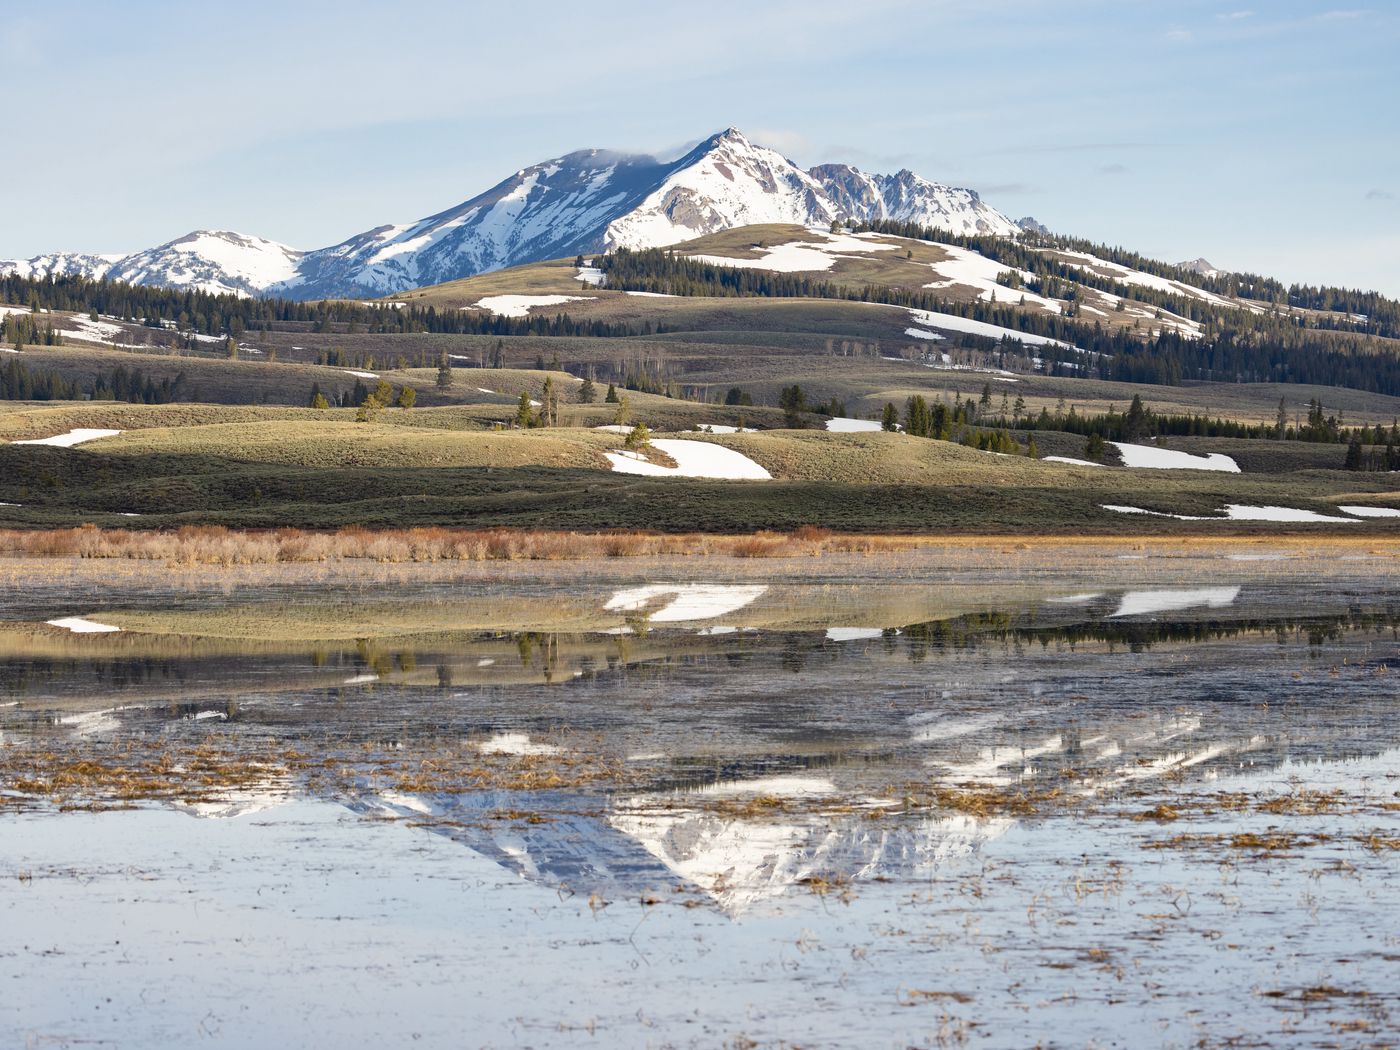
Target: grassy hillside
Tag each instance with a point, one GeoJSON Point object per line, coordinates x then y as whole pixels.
{"type": "Point", "coordinates": [239, 446]}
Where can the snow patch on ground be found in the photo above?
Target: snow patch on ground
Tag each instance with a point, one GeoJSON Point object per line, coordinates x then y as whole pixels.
{"type": "Point", "coordinates": [519, 305]}
{"type": "Point", "coordinates": [652, 295]}
{"type": "Point", "coordinates": [687, 601]}
{"type": "Point", "coordinates": [694, 459]}
{"type": "Point", "coordinates": [360, 375]}
{"type": "Point", "coordinates": [852, 426]}
{"type": "Point", "coordinates": [1168, 459]}
{"type": "Point", "coordinates": [74, 437]}
{"type": "Point", "coordinates": [590, 275]}
{"type": "Point", "coordinates": [1070, 461]}
{"type": "Point", "coordinates": [78, 625]}
{"type": "Point", "coordinates": [1240, 512]}
{"type": "Point", "coordinates": [1370, 512]}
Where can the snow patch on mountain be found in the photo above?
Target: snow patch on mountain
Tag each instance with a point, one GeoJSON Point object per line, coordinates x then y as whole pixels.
{"type": "Point", "coordinates": [801, 256]}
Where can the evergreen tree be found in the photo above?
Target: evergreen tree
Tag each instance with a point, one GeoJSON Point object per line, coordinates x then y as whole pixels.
{"type": "Point", "coordinates": [611, 398]}
{"type": "Point", "coordinates": [407, 396]}
{"type": "Point", "coordinates": [793, 403]}
{"type": "Point", "coordinates": [524, 412]}
{"type": "Point", "coordinates": [369, 409]}
{"type": "Point", "coordinates": [1137, 424]}
{"type": "Point", "coordinates": [444, 373]}
{"type": "Point", "coordinates": [1354, 455]}
{"type": "Point", "coordinates": [889, 419]}
{"type": "Point", "coordinates": [587, 392]}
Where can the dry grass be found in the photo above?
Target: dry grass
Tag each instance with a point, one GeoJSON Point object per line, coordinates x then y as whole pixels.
{"type": "Point", "coordinates": [219, 545]}
{"type": "Point", "coordinates": [216, 545]}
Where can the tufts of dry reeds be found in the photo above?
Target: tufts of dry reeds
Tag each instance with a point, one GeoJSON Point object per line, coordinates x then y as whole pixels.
{"type": "Point", "coordinates": [217, 545]}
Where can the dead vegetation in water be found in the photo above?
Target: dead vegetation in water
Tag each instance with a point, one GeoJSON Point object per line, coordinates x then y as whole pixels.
{"type": "Point", "coordinates": [217, 545]}
{"type": "Point", "coordinates": [113, 775]}
{"type": "Point", "coordinates": [984, 800]}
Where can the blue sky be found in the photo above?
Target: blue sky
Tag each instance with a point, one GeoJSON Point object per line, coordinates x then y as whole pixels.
{"type": "Point", "coordinates": [1264, 137]}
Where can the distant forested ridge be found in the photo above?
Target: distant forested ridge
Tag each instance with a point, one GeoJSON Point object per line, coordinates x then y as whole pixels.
{"type": "Point", "coordinates": [210, 314]}
{"type": "Point", "coordinates": [1381, 314]}
{"type": "Point", "coordinates": [1237, 346]}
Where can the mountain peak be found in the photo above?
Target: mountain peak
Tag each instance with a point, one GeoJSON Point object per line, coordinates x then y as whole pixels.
{"type": "Point", "coordinates": [1201, 266]}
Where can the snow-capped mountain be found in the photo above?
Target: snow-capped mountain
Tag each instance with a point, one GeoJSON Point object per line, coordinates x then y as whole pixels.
{"type": "Point", "coordinates": [215, 261]}
{"type": "Point", "coordinates": [1204, 267]}
{"type": "Point", "coordinates": [587, 201]}
{"type": "Point", "coordinates": [906, 197]}
{"type": "Point", "coordinates": [61, 264]}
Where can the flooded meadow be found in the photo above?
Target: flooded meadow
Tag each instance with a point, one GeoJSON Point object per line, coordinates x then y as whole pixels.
{"type": "Point", "coordinates": [1011, 795]}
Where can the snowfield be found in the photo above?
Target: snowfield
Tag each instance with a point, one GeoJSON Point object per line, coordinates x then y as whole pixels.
{"type": "Point", "coordinates": [801, 256]}
{"type": "Point", "coordinates": [852, 426]}
{"type": "Point", "coordinates": [74, 437]}
{"type": "Point", "coordinates": [1124, 275]}
{"type": "Point", "coordinates": [519, 305]}
{"type": "Point", "coordinates": [85, 328]}
{"type": "Point", "coordinates": [1070, 461]}
{"type": "Point", "coordinates": [973, 270]}
{"type": "Point", "coordinates": [590, 275]}
{"type": "Point", "coordinates": [694, 459]}
{"type": "Point", "coordinates": [1150, 456]}
{"type": "Point", "coordinates": [953, 323]}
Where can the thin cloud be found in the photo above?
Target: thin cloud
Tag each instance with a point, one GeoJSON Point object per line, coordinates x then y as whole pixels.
{"type": "Point", "coordinates": [788, 143]}
{"type": "Point", "coordinates": [1009, 188]}
{"type": "Point", "coordinates": [1180, 36]}
{"type": "Point", "coordinates": [1113, 169]}
{"type": "Point", "coordinates": [856, 155]}
{"type": "Point", "coordinates": [1379, 195]}
{"type": "Point", "coordinates": [1070, 147]}
{"type": "Point", "coordinates": [1235, 16]}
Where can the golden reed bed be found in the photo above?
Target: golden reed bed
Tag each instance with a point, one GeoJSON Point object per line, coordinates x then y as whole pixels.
{"type": "Point", "coordinates": [217, 545]}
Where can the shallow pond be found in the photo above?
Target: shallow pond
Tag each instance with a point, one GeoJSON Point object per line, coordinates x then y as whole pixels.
{"type": "Point", "coordinates": [820, 802]}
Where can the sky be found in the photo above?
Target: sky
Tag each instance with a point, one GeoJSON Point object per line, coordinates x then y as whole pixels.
{"type": "Point", "coordinates": [1264, 138]}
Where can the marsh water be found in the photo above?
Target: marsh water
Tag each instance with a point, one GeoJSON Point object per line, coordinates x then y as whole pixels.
{"type": "Point", "coordinates": [1127, 797]}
